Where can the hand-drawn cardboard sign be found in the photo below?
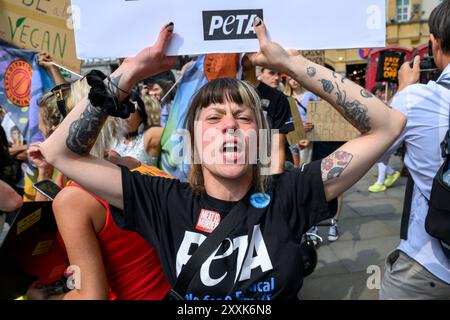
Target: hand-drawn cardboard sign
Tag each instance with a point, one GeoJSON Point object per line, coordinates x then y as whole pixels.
{"type": "Point", "coordinates": [329, 124]}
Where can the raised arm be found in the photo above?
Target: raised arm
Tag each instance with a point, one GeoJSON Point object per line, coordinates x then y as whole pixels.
{"type": "Point", "coordinates": [68, 147]}
{"type": "Point", "coordinates": [378, 124]}
{"type": "Point", "coordinates": [45, 60]}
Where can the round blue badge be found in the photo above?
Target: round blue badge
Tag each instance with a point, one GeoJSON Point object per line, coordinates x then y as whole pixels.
{"type": "Point", "coordinates": [260, 200]}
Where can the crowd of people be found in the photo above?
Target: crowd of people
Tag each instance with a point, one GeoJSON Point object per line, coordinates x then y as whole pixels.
{"type": "Point", "coordinates": [132, 228]}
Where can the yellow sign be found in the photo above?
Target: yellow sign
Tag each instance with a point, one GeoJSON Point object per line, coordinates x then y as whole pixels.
{"type": "Point", "coordinates": [27, 222]}
{"type": "Point", "coordinates": [298, 134]}
{"type": "Point", "coordinates": [40, 25]}
{"type": "Point", "coordinates": [329, 124]}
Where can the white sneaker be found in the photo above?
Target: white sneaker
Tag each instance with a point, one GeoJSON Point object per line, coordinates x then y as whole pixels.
{"type": "Point", "coordinates": [333, 233]}
{"type": "Point", "coordinates": [315, 231]}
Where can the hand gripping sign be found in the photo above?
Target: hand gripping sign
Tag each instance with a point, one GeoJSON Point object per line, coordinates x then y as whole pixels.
{"type": "Point", "coordinates": [121, 28]}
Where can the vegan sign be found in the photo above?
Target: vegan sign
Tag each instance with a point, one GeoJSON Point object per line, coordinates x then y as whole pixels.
{"type": "Point", "coordinates": [40, 25]}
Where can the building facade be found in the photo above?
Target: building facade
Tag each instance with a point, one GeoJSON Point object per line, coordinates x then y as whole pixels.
{"type": "Point", "coordinates": [406, 26]}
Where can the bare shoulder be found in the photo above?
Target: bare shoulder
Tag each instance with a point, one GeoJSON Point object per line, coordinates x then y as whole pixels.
{"type": "Point", "coordinates": [152, 136]}
{"type": "Point", "coordinates": [153, 132]}
{"type": "Point", "coordinates": [73, 204]}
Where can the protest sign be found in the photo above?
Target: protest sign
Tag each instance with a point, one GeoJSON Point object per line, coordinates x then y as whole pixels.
{"type": "Point", "coordinates": [316, 56]}
{"type": "Point", "coordinates": [389, 63]}
{"type": "Point", "coordinates": [120, 28]}
{"type": "Point", "coordinates": [298, 133]}
{"type": "Point", "coordinates": [22, 83]}
{"type": "Point", "coordinates": [329, 124]}
{"type": "Point", "coordinates": [40, 25]}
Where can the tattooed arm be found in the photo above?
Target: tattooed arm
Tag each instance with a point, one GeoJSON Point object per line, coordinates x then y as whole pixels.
{"type": "Point", "coordinates": [69, 146]}
{"type": "Point", "coordinates": [378, 124]}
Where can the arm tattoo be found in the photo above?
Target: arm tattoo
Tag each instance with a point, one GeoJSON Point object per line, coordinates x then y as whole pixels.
{"type": "Point", "coordinates": [354, 111]}
{"type": "Point", "coordinates": [327, 85]}
{"type": "Point", "coordinates": [112, 85]}
{"type": "Point", "coordinates": [311, 71]}
{"type": "Point", "coordinates": [335, 75]}
{"type": "Point", "coordinates": [84, 132]}
{"type": "Point", "coordinates": [366, 94]}
{"type": "Point", "coordinates": [333, 165]}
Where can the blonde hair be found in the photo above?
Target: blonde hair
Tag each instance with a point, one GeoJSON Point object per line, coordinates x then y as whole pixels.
{"type": "Point", "coordinates": [72, 94]}
{"type": "Point", "coordinates": [152, 110]}
{"type": "Point", "coordinates": [220, 91]}
{"type": "Point", "coordinates": [288, 91]}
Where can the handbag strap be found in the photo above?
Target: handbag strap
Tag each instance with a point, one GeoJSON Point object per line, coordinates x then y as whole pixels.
{"type": "Point", "coordinates": [207, 247]}
{"type": "Point", "coordinates": [406, 208]}
{"type": "Point", "coordinates": [445, 144]}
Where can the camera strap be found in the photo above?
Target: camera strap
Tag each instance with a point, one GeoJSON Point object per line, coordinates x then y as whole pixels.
{"type": "Point", "coordinates": [207, 248]}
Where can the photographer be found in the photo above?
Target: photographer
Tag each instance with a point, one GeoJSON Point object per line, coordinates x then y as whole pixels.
{"type": "Point", "coordinates": [419, 267]}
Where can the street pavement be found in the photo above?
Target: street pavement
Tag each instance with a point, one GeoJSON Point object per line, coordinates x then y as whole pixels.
{"type": "Point", "coordinates": [369, 230]}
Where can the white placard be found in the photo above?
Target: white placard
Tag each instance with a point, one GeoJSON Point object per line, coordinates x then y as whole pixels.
{"type": "Point", "coordinates": [121, 28]}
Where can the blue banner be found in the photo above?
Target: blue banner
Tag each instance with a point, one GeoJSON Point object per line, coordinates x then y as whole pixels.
{"type": "Point", "coordinates": [22, 82]}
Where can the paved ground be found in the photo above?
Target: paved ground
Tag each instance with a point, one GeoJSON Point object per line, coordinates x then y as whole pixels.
{"type": "Point", "coordinates": [369, 229]}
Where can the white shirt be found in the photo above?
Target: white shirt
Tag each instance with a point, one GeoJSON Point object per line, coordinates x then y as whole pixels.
{"type": "Point", "coordinates": [427, 109]}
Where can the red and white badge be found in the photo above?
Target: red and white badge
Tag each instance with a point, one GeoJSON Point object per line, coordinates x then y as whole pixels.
{"type": "Point", "coordinates": [207, 221]}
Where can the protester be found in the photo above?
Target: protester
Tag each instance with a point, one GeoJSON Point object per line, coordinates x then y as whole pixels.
{"type": "Point", "coordinates": [110, 267]}
{"type": "Point", "coordinates": [270, 77]}
{"type": "Point", "coordinates": [419, 267]}
{"type": "Point", "coordinates": [302, 98]}
{"type": "Point", "coordinates": [166, 211]}
{"type": "Point", "coordinates": [141, 138]}
{"type": "Point", "coordinates": [49, 118]}
{"type": "Point", "coordinates": [143, 89]}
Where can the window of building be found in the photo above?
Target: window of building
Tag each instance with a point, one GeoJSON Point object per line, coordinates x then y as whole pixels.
{"type": "Point", "coordinates": [403, 10]}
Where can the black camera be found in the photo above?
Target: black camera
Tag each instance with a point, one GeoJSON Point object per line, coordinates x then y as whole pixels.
{"type": "Point", "coordinates": [428, 68]}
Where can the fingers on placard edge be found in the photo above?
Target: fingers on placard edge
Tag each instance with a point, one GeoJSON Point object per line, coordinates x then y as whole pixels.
{"type": "Point", "coordinates": [260, 29]}
{"type": "Point", "coordinates": [164, 36]}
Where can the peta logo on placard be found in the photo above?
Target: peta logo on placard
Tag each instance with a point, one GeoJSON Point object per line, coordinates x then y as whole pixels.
{"type": "Point", "coordinates": [230, 24]}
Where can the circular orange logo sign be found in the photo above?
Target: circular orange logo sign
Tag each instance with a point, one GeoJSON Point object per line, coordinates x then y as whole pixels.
{"type": "Point", "coordinates": [18, 83]}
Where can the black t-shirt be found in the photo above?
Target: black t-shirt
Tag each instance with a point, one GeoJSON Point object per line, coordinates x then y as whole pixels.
{"type": "Point", "coordinates": [175, 220]}
{"type": "Point", "coordinates": [278, 111]}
